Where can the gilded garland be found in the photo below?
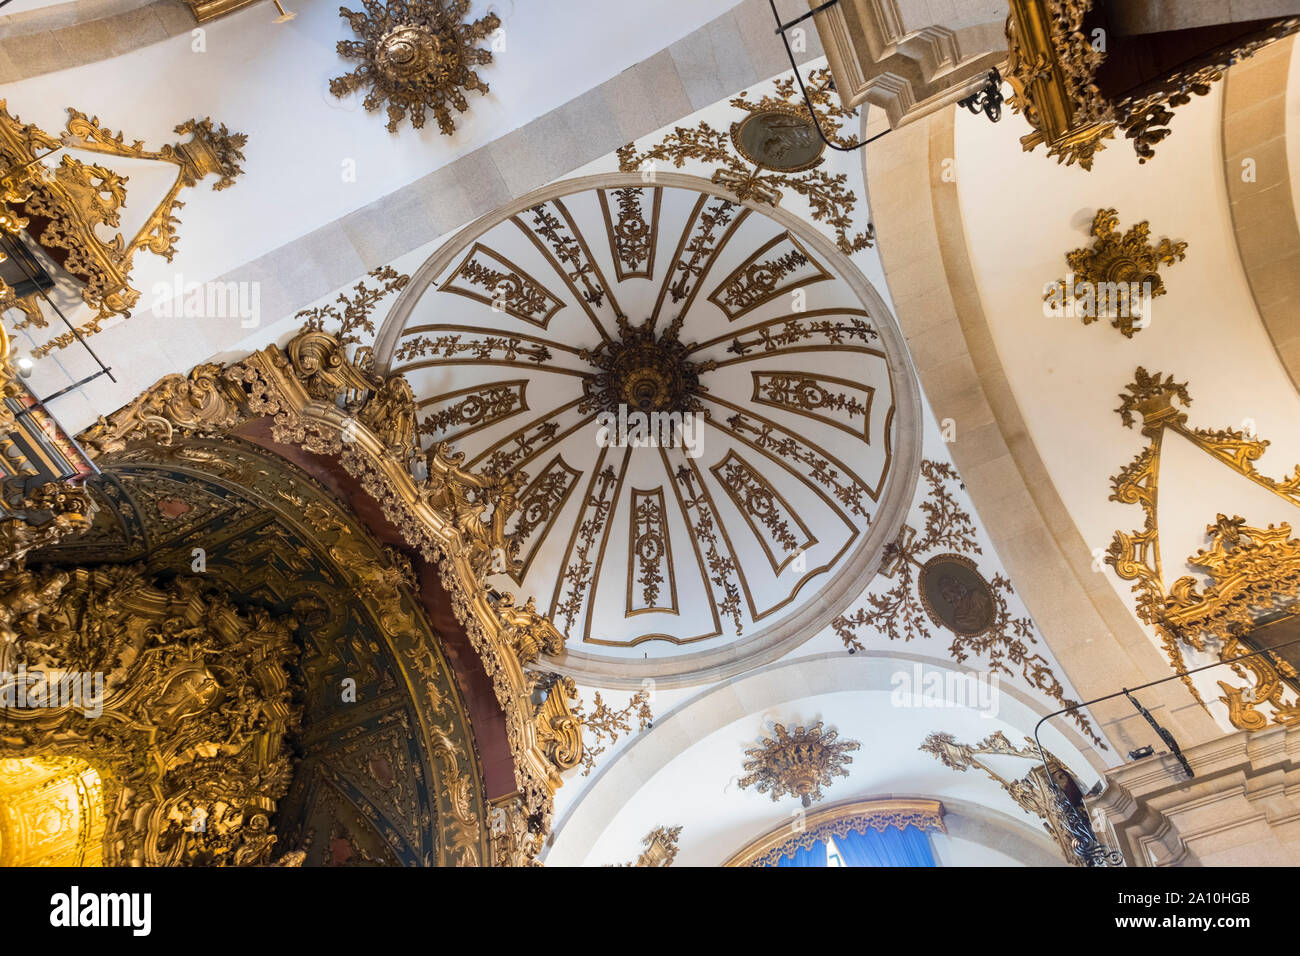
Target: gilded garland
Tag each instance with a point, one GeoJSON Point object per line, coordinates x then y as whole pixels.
{"type": "Point", "coordinates": [1252, 571]}
{"type": "Point", "coordinates": [775, 147]}
{"type": "Point", "coordinates": [416, 55]}
{"type": "Point", "coordinates": [938, 584]}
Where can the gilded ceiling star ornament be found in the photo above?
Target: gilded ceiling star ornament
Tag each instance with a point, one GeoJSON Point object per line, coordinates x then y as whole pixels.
{"type": "Point", "coordinates": [1118, 271]}
{"type": "Point", "coordinates": [416, 55]}
{"type": "Point", "coordinates": [799, 763]}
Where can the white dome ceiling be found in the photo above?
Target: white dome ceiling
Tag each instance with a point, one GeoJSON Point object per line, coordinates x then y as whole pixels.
{"type": "Point", "coordinates": [519, 336]}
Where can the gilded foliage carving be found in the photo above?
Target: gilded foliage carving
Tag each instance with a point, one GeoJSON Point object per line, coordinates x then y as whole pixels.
{"type": "Point", "coordinates": [603, 725]}
{"type": "Point", "coordinates": [831, 202]}
{"type": "Point", "coordinates": [906, 612]}
{"type": "Point", "coordinates": [1048, 791]}
{"type": "Point", "coordinates": [1115, 268]}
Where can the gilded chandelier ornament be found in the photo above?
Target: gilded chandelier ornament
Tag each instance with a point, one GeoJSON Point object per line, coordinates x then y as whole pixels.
{"type": "Point", "coordinates": [798, 763]}
{"type": "Point", "coordinates": [643, 372]}
{"type": "Point", "coordinates": [416, 56]}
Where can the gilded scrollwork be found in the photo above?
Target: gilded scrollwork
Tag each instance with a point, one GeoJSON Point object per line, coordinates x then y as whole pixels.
{"type": "Point", "coordinates": [1117, 271]}
{"type": "Point", "coordinates": [76, 200]}
{"type": "Point", "coordinates": [1252, 571]}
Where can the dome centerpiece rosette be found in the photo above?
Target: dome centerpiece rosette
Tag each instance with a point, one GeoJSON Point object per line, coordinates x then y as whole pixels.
{"type": "Point", "coordinates": [526, 333]}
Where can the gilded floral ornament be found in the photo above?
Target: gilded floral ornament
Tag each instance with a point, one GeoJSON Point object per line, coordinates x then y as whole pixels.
{"type": "Point", "coordinates": [939, 584]}
{"type": "Point", "coordinates": [1049, 791]}
{"type": "Point", "coordinates": [775, 147]}
{"type": "Point", "coordinates": [799, 763]}
{"type": "Point", "coordinates": [660, 847]}
{"type": "Point", "coordinates": [1119, 271]}
{"type": "Point", "coordinates": [416, 56]}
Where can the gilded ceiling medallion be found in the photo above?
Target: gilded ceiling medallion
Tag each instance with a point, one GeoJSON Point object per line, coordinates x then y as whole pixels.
{"type": "Point", "coordinates": [643, 372]}
{"type": "Point", "coordinates": [798, 764]}
{"type": "Point", "coordinates": [955, 594]}
{"type": "Point", "coordinates": [784, 139]}
{"type": "Point", "coordinates": [937, 582]}
{"type": "Point", "coordinates": [416, 55]}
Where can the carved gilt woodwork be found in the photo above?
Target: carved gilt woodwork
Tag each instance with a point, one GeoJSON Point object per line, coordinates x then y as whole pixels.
{"type": "Point", "coordinates": [71, 202]}
{"type": "Point", "coordinates": [195, 702]}
{"type": "Point", "coordinates": [798, 763]}
{"type": "Point", "coordinates": [1252, 571]}
{"type": "Point", "coordinates": [319, 398]}
{"type": "Point", "coordinates": [1052, 69]}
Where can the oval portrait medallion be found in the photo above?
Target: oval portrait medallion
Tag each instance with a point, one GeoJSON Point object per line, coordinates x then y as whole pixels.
{"type": "Point", "coordinates": [783, 140]}
{"type": "Point", "coordinates": [955, 595]}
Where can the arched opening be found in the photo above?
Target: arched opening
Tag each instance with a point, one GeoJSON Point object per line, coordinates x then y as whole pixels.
{"type": "Point", "coordinates": [51, 812]}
